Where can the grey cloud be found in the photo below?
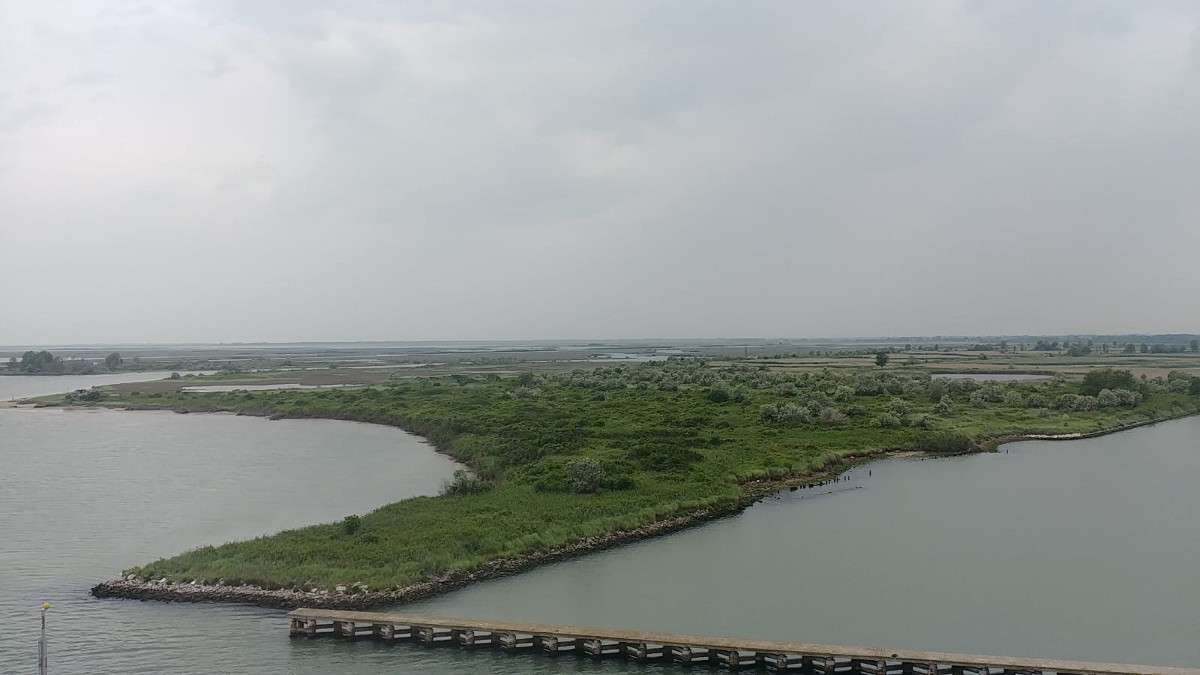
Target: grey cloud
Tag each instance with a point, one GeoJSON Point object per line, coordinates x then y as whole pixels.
{"type": "Point", "coordinates": [474, 170]}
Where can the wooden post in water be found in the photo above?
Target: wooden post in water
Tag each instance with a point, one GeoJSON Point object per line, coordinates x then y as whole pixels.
{"type": "Point", "coordinates": [43, 649]}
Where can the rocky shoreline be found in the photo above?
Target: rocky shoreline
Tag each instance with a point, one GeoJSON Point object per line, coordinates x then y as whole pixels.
{"type": "Point", "coordinates": [359, 597]}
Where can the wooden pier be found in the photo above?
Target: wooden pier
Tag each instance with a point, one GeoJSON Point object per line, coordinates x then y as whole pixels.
{"type": "Point", "coordinates": [686, 650]}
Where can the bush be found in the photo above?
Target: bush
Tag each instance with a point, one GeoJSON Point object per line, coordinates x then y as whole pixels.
{"type": "Point", "coordinates": [1107, 378]}
{"type": "Point", "coordinates": [817, 401]}
{"type": "Point", "coordinates": [832, 417]}
{"type": "Point", "coordinates": [898, 407]}
{"type": "Point", "coordinates": [664, 456]}
{"type": "Point", "coordinates": [1075, 402]}
{"type": "Point", "coordinates": [944, 442]}
{"type": "Point", "coordinates": [992, 393]}
{"type": "Point", "coordinates": [1036, 401]}
{"type": "Point", "coordinates": [783, 414]}
{"type": "Point", "coordinates": [943, 406]}
{"type": "Point", "coordinates": [1179, 385]}
{"type": "Point", "coordinates": [962, 385]}
{"type": "Point", "coordinates": [885, 420]}
{"type": "Point", "coordinates": [1118, 398]}
{"type": "Point", "coordinates": [717, 395]}
{"type": "Point", "coordinates": [464, 484]}
{"type": "Point", "coordinates": [843, 393]}
{"type": "Point", "coordinates": [351, 524]}
{"type": "Point", "coordinates": [768, 413]}
{"type": "Point", "coordinates": [584, 475]}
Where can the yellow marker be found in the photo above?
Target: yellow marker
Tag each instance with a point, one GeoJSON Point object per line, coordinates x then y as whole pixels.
{"type": "Point", "coordinates": [45, 606]}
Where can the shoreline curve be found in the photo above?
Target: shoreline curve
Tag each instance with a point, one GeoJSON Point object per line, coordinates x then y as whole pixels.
{"type": "Point", "coordinates": [361, 599]}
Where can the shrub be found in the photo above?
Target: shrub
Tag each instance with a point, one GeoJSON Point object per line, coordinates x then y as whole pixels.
{"type": "Point", "coordinates": [584, 475]}
{"type": "Point", "coordinates": [962, 385]}
{"type": "Point", "coordinates": [1013, 398]}
{"type": "Point", "coordinates": [885, 420]}
{"type": "Point", "coordinates": [783, 414]}
{"type": "Point", "coordinates": [1075, 402]}
{"type": "Point", "coordinates": [817, 401]}
{"type": "Point", "coordinates": [856, 411]}
{"type": "Point", "coordinates": [832, 417]}
{"type": "Point", "coordinates": [1036, 401]}
{"type": "Point", "coordinates": [898, 407]}
{"type": "Point", "coordinates": [943, 406]}
{"type": "Point", "coordinates": [351, 524]}
{"type": "Point", "coordinates": [992, 393]}
{"type": "Point", "coordinates": [1107, 378]}
{"type": "Point", "coordinates": [944, 442]}
{"type": "Point", "coordinates": [717, 395]}
{"type": "Point", "coordinates": [1179, 385]}
{"type": "Point", "coordinates": [1123, 398]}
{"type": "Point", "coordinates": [1064, 401]}
{"type": "Point", "coordinates": [464, 484]}
{"type": "Point", "coordinates": [664, 456]}
{"type": "Point", "coordinates": [843, 393]}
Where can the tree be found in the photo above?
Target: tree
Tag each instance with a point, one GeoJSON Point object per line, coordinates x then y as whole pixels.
{"type": "Point", "coordinates": [1130, 349]}
{"type": "Point", "coordinates": [40, 362]}
{"type": "Point", "coordinates": [12, 363]}
{"type": "Point", "coordinates": [1107, 378]}
{"type": "Point", "coordinates": [113, 361]}
{"type": "Point", "coordinates": [881, 359]}
{"type": "Point", "coordinates": [1195, 345]}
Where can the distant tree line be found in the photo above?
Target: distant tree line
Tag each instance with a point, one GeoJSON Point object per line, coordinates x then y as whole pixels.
{"type": "Point", "coordinates": [46, 363]}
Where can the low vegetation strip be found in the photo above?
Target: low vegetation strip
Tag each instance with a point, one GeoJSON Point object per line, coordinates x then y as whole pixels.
{"type": "Point", "coordinates": [568, 462]}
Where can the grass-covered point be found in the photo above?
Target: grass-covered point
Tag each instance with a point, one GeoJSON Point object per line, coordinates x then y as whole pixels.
{"type": "Point", "coordinates": [563, 456]}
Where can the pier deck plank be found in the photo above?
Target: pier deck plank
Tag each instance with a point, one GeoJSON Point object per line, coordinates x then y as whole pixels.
{"type": "Point", "coordinates": [739, 644]}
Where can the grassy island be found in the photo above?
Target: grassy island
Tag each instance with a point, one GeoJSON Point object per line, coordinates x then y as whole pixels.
{"type": "Point", "coordinates": [561, 457]}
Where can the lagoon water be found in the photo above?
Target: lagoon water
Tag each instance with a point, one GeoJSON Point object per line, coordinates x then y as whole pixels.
{"type": "Point", "coordinates": [25, 386]}
{"type": "Point", "coordinates": [1081, 549]}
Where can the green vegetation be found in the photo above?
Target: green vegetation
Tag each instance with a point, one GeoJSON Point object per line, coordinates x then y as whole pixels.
{"type": "Point", "coordinates": [556, 457]}
{"type": "Point", "coordinates": [37, 363]}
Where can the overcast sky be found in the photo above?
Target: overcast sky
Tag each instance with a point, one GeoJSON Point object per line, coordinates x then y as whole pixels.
{"type": "Point", "coordinates": [301, 170]}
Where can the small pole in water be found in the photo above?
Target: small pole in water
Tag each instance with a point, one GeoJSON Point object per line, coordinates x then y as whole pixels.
{"type": "Point", "coordinates": [43, 657]}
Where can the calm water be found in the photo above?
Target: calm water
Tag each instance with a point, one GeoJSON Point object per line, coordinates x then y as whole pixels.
{"type": "Point", "coordinates": [21, 386]}
{"type": "Point", "coordinates": [1083, 549]}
